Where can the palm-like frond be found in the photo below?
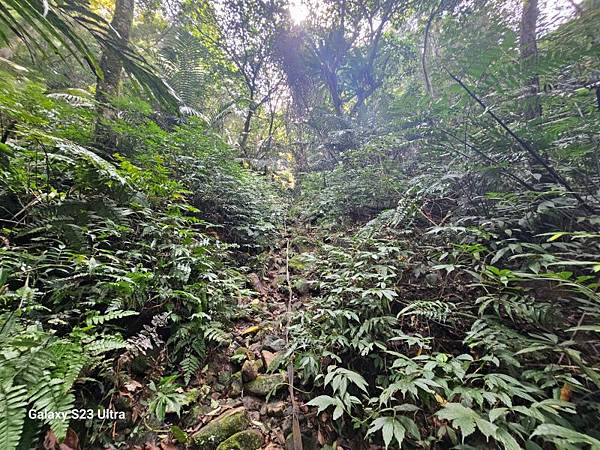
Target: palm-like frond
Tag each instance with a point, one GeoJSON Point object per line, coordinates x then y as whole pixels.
{"type": "Point", "coordinates": [57, 25]}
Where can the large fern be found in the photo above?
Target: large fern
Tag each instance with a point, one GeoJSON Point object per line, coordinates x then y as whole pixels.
{"type": "Point", "coordinates": [13, 403]}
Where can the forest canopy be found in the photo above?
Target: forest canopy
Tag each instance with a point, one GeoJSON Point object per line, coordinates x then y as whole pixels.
{"type": "Point", "coordinates": [299, 224]}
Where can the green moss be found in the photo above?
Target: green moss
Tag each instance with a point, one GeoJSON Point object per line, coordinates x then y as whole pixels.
{"type": "Point", "coordinates": [265, 384]}
{"type": "Point", "coordinates": [224, 426]}
{"type": "Point", "coordinates": [244, 440]}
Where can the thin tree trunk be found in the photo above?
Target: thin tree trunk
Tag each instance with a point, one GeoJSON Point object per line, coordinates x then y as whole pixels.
{"type": "Point", "coordinates": [529, 55]}
{"type": "Point", "coordinates": [112, 66]}
{"type": "Point", "coordinates": [428, 85]}
{"type": "Point", "coordinates": [246, 130]}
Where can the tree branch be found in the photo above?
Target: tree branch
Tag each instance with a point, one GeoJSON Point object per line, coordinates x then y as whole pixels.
{"type": "Point", "coordinates": [525, 145]}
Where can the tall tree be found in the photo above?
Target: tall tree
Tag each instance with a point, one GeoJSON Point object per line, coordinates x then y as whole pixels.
{"type": "Point", "coordinates": [344, 40]}
{"type": "Point", "coordinates": [111, 65]}
{"type": "Point", "coordinates": [245, 31]}
{"type": "Point", "coordinates": [529, 54]}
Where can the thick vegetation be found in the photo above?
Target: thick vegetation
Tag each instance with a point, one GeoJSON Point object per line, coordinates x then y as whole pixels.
{"type": "Point", "coordinates": [398, 202]}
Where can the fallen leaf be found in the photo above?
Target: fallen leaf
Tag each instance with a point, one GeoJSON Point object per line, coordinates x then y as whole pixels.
{"type": "Point", "coordinates": [251, 330]}
{"type": "Point", "coordinates": [132, 385]}
{"type": "Point", "coordinates": [565, 392]}
{"type": "Point", "coordinates": [50, 441]}
{"type": "Point", "coordinates": [72, 440]}
{"type": "Point", "coordinates": [441, 400]}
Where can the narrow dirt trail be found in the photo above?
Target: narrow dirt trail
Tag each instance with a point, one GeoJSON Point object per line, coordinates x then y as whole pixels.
{"type": "Point", "coordinates": [251, 377]}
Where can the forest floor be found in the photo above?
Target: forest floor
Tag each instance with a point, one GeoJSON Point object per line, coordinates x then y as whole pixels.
{"type": "Point", "coordinates": [250, 377]}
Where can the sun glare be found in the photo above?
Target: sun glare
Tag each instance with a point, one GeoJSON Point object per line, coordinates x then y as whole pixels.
{"type": "Point", "coordinates": [298, 11]}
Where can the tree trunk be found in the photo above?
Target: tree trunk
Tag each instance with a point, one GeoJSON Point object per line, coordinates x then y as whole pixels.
{"type": "Point", "coordinates": [246, 130]}
{"type": "Point", "coordinates": [112, 66]}
{"type": "Point", "coordinates": [529, 55]}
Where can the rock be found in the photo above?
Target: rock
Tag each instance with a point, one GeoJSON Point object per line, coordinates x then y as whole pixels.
{"type": "Point", "coordinates": [259, 364]}
{"type": "Point", "coordinates": [256, 347]}
{"type": "Point", "coordinates": [220, 428]}
{"type": "Point", "coordinates": [276, 409]}
{"type": "Point", "coordinates": [198, 410]}
{"type": "Point", "coordinates": [249, 371]}
{"type": "Point", "coordinates": [286, 425]}
{"type": "Point", "coordinates": [224, 377]}
{"type": "Point", "coordinates": [265, 384]}
{"type": "Point", "coordinates": [272, 446]}
{"type": "Point", "coordinates": [267, 358]}
{"type": "Point", "coordinates": [273, 343]}
{"type": "Point", "coordinates": [236, 386]}
{"type": "Point", "coordinates": [179, 435]}
{"type": "Point", "coordinates": [256, 283]}
{"type": "Point", "coordinates": [252, 403]}
{"type": "Point", "coordinates": [272, 361]}
{"type": "Point", "coordinates": [244, 440]}
{"type": "Point", "coordinates": [309, 442]}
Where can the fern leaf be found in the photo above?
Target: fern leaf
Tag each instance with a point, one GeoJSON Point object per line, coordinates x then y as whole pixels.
{"type": "Point", "coordinates": [13, 401]}
{"type": "Point", "coordinates": [190, 366]}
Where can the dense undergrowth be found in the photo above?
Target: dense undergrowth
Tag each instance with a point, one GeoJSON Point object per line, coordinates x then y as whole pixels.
{"type": "Point", "coordinates": [111, 264]}
{"type": "Point", "coordinates": [441, 226]}
{"type": "Point", "coordinates": [466, 314]}
{"type": "Point", "coordinates": [487, 324]}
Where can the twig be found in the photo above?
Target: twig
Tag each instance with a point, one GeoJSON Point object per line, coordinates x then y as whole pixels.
{"type": "Point", "coordinates": [296, 435]}
{"type": "Point", "coordinates": [519, 180]}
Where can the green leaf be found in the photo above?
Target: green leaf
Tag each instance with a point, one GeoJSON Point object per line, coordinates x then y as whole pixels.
{"type": "Point", "coordinates": [390, 429]}
{"type": "Point", "coordinates": [322, 402]}
{"type": "Point", "coordinates": [462, 418]}
{"type": "Point", "coordinates": [572, 436]}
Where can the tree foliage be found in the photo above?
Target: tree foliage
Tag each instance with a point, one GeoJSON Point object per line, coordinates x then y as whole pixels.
{"type": "Point", "coordinates": [409, 191]}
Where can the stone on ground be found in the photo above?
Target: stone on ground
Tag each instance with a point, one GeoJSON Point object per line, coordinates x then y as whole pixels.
{"type": "Point", "coordinates": [236, 385]}
{"type": "Point", "coordinates": [249, 371]}
{"type": "Point", "coordinates": [263, 385]}
{"type": "Point", "coordinates": [220, 428]}
{"type": "Point", "coordinates": [244, 440]}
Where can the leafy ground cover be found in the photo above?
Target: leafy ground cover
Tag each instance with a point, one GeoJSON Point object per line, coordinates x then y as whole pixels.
{"type": "Point", "coordinates": [335, 225]}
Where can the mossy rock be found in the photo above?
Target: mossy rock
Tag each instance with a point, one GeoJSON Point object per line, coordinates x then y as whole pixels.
{"type": "Point", "coordinates": [244, 440]}
{"type": "Point", "coordinates": [219, 429]}
{"type": "Point", "coordinates": [249, 371]}
{"type": "Point", "coordinates": [263, 385]}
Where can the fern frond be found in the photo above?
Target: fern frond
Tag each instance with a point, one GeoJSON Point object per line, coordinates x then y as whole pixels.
{"type": "Point", "coordinates": [112, 315]}
{"type": "Point", "coordinates": [217, 335]}
{"type": "Point", "coordinates": [105, 345]}
{"type": "Point", "coordinates": [52, 396]}
{"type": "Point", "coordinates": [431, 309]}
{"type": "Point", "coordinates": [190, 366]}
{"type": "Point", "coordinates": [13, 400]}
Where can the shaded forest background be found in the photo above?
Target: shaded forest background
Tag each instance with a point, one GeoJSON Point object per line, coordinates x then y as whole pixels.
{"type": "Point", "coordinates": [398, 201]}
